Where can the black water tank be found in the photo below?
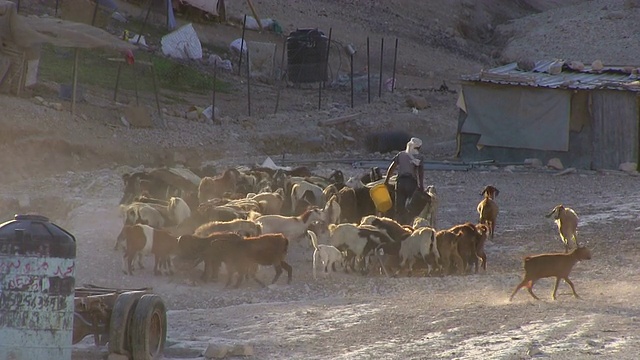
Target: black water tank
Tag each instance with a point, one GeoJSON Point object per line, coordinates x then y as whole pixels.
{"type": "Point", "coordinates": [307, 56]}
{"type": "Point", "coordinates": [37, 288]}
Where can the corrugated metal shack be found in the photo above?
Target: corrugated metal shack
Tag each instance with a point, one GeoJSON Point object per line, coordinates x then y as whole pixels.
{"type": "Point", "coordinates": [585, 115]}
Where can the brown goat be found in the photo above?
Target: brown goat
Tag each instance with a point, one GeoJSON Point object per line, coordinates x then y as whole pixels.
{"type": "Point", "coordinates": [143, 240]}
{"type": "Point", "coordinates": [215, 187]}
{"type": "Point", "coordinates": [447, 242]}
{"type": "Point", "coordinates": [470, 244]}
{"type": "Point", "coordinates": [242, 256]}
{"type": "Point", "coordinates": [551, 265]}
{"type": "Point", "coordinates": [488, 208]}
{"type": "Point", "coordinates": [197, 249]}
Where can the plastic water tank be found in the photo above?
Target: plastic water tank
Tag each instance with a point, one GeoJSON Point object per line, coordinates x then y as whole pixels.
{"type": "Point", "coordinates": [37, 286]}
{"type": "Point", "coordinates": [307, 56]}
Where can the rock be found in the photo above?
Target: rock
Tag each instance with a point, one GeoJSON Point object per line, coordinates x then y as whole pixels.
{"type": "Point", "coordinates": [533, 162]}
{"type": "Point", "coordinates": [216, 351]}
{"type": "Point", "coordinates": [576, 65]}
{"type": "Point", "coordinates": [597, 65]}
{"type": "Point", "coordinates": [534, 350]}
{"type": "Point", "coordinates": [124, 122]}
{"type": "Point", "coordinates": [614, 15]}
{"type": "Point", "coordinates": [526, 65]}
{"type": "Point", "coordinates": [39, 99]}
{"type": "Point", "coordinates": [242, 350]}
{"type": "Point", "coordinates": [556, 68]}
{"type": "Point", "coordinates": [192, 115]}
{"type": "Point", "coordinates": [631, 4]}
{"type": "Point", "coordinates": [555, 163]}
{"type": "Point", "coordinates": [509, 168]}
{"type": "Point", "coordinates": [417, 102]}
{"type": "Point", "coordinates": [628, 167]}
{"type": "Point", "coordinates": [57, 106]}
{"type": "Point", "coordinates": [114, 356]}
{"type": "Point", "coordinates": [348, 138]}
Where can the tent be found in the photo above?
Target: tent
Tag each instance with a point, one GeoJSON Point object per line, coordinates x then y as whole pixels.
{"type": "Point", "coordinates": [587, 116]}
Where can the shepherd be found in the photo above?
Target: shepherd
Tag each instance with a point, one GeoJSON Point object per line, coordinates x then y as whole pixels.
{"type": "Point", "coordinates": [410, 169]}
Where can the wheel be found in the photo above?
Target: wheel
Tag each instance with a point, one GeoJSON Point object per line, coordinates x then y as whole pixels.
{"type": "Point", "coordinates": [148, 328]}
{"type": "Point", "coordinates": [121, 315]}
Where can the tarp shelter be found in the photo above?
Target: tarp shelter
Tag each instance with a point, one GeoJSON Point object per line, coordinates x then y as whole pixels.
{"type": "Point", "coordinates": [22, 38]}
{"type": "Point", "coordinates": [586, 117]}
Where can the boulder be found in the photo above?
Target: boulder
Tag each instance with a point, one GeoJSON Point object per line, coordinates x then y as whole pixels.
{"type": "Point", "coordinates": [597, 65]}
{"type": "Point", "coordinates": [242, 350]}
{"type": "Point", "coordinates": [555, 164]}
{"type": "Point", "coordinates": [216, 351]}
{"type": "Point", "coordinates": [629, 167]}
{"type": "Point", "coordinates": [417, 102]}
{"type": "Point", "coordinates": [533, 162]}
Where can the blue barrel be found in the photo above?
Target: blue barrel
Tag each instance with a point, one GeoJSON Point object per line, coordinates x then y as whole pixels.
{"type": "Point", "coordinates": [37, 286]}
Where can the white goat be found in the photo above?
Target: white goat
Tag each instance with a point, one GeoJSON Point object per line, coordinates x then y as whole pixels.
{"type": "Point", "coordinates": [359, 239]}
{"type": "Point", "coordinates": [430, 210]}
{"type": "Point", "coordinates": [567, 221]}
{"type": "Point", "coordinates": [420, 243]}
{"type": "Point", "coordinates": [298, 190]}
{"type": "Point", "coordinates": [246, 228]}
{"type": "Point", "coordinates": [329, 255]}
{"type": "Point", "coordinates": [178, 210]}
{"type": "Point", "coordinates": [271, 202]}
{"type": "Point", "coordinates": [292, 227]}
{"type": "Point", "coordinates": [332, 211]}
{"type": "Point", "coordinates": [354, 183]}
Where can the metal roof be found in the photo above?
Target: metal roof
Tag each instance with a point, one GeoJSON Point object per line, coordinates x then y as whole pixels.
{"type": "Point", "coordinates": [559, 74]}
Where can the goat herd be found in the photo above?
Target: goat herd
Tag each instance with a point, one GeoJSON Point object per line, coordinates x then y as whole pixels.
{"type": "Point", "coordinates": [244, 217]}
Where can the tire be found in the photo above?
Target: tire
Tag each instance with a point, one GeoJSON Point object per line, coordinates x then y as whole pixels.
{"type": "Point", "coordinates": [148, 328]}
{"type": "Point", "coordinates": [121, 315]}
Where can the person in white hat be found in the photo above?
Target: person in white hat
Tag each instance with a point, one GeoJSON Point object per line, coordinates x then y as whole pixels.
{"type": "Point", "coordinates": [408, 164]}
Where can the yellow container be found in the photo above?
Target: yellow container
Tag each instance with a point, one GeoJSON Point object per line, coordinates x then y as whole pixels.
{"type": "Point", "coordinates": [381, 198]}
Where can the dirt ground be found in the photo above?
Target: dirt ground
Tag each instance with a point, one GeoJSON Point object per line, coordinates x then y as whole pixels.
{"type": "Point", "coordinates": [69, 168]}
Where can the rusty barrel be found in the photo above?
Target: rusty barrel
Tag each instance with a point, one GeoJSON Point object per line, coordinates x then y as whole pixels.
{"type": "Point", "coordinates": [37, 281]}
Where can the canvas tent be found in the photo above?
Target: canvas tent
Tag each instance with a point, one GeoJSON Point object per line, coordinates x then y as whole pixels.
{"type": "Point", "coordinates": [586, 117]}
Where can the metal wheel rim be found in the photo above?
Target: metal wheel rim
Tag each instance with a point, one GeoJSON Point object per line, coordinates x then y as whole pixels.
{"type": "Point", "coordinates": [155, 333]}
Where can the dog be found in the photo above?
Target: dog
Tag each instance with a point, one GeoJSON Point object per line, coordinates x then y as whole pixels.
{"type": "Point", "coordinates": [329, 255]}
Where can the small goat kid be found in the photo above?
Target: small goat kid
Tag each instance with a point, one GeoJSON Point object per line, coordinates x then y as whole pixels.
{"type": "Point", "coordinates": [551, 265]}
{"type": "Point", "coordinates": [488, 208]}
{"type": "Point", "coordinates": [567, 222]}
{"type": "Point", "coordinates": [143, 240]}
{"type": "Point", "coordinates": [329, 255]}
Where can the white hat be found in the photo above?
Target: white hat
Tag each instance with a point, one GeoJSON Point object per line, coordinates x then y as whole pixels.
{"type": "Point", "coordinates": [415, 142]}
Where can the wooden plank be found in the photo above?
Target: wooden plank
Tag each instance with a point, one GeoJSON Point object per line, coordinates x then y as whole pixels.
{"type": "Point", "coordinates": [338, 120]}
{"type": "Point", "coordinates": [255, 14]}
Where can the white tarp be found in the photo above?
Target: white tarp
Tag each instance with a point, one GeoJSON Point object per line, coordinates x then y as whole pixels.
{"type": "Point", "coordinates": [210, 6]}
{"type": "Point", "coordinates": [182, 43]}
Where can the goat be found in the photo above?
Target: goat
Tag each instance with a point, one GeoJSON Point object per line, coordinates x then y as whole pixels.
{"type": "Point", "coordinates": [272, 202]}
{"type": "Point", "coordinates": [551, 265]}
{"type": "Point", "coordinates": [197, 249]}
{"type": "Point", "coordinates": [241, 256]}
{"type": "Point", "coordinates": [470, 244]}
{"type": "Point", "coordinates": [488, 208]}
{"type": "Point", "coordinates": [300, 188]}
{"type": "Point", "coordinates": [306, 201]}
{"type": "Point", "coordinates": [143, 240]}
{"type": "Point", "coordinates": [238, 226]}
{"type": "Point", "coordinates": [292, 227]}
{"type": "Point", "coordinates": [348, 205]}
{"type": "Point", "coordinates": [447, 242]}
{"type": "Point", "coordinates": [430, 210]}
{"type": "Point", "coordinates": [213, 187]}
{"type": "Point", "coordinates": [420, 243]}
{"type": "Point", "coordinates": [360, 240]}
{"type": "Point", "coordinates": [392, 228]}
{"type": "Point", "coordinates": [329, 255]}
{"type": "Point", "coordinates": [174, 213]}
{"type": "Point", "coordinates": [567, 222]}
{"type": "Point", "coordinates": [332, 211]}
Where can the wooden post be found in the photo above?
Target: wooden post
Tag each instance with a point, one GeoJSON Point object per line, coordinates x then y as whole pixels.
{"type": "Point", "coordinates": [135, 83]}
{"type": "Point", "coordinates": [395, 59]}
{"type": "Point", "coordinates": [242, 44]}
{"type": "Point", "coordinates": [255, 14]}
{"type": "Point", "coordinates": [381, 59]}
{"type": "Point", "coordinates": [368, 73]}
{"type": "Point", "coordinates": [57, 5]}
{"type": "Point", "coordinates": [75, 81]}
{"type": "Point", "coordinates": [95, 13]}
{"type": "Point", "coordinates": [144, 23]}
{"type": "Point", "coordinates": [325, 71]}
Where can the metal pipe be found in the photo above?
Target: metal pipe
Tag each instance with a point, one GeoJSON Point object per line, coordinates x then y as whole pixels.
{"type": "Point", "coordinates": [280, 80]}
{"type": "Point", "coordinates": [95, 13]}
{"type": "Point", "coordinates": [244, 26]}
{"type": "Point", "coordinates": [351, 60]}
{"type": "Point", "coordinates": [326, 68]}
{"type": "Point", "coordinates": [144, 23]}
{"type": "Point", "coordinates": [248, 83]}
{"type": "Point", "coordinates": [75, 80]}
{"type": "Point", "coordinates": [395, 59]}
{"type": "Point", "coordinates": [155, 91]}
{"type": "Point", "coordinates": [324, 74]}
{"type": "Point", "coordinates": [213, 92]}
{"type": "Point", "coordinates": [368, 73]}
{"type": "Point", "coordinates": [115, 91]}
{"type": "Point", "coordinates": [381, 59]}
